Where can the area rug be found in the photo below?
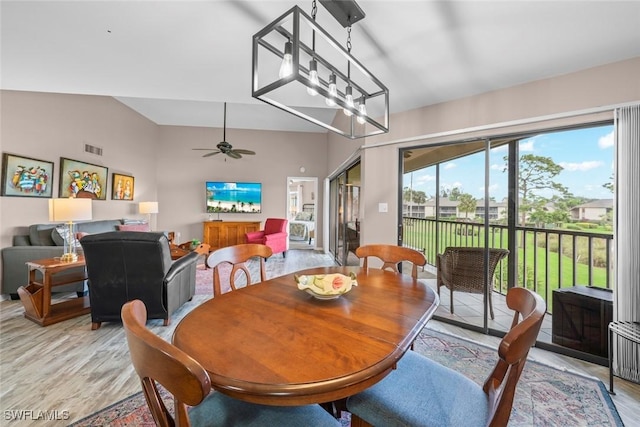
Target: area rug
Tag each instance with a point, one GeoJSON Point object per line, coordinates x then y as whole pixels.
{"type": "Point", "coordinates": [545, 396]}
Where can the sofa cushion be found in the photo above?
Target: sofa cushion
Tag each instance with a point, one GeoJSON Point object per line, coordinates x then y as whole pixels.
{"type": "Point", "coordinates": [134, 227]}
{"type": "Point", "coordinates": [40, 234]}
{"type": "Point", "coordinates": [100, 226]}
{"type": "Point", "coordinates": [60, 234]}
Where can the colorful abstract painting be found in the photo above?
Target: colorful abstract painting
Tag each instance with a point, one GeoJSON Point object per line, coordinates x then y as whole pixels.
{"type": "Point", "coordinates": [26, 177]}
{"type": "Point", "coordinates": [82, 180]}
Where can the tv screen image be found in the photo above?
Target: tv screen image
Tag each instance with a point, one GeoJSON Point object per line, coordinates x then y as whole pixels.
{"type": "Point", "coordinates": [234, 197]}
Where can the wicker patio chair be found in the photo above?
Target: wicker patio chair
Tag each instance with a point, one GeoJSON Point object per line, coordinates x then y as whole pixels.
{"type": "Point", "coordinates": [462, 269]}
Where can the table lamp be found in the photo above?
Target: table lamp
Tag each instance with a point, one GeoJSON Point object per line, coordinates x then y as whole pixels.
{"type": "Point", "coordinates": [69, 210]}
{"type": "Point", "coordinates": [148, 208]}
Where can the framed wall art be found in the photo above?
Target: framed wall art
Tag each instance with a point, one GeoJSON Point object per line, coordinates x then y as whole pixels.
{"type": "Point", "coordinates": [122, 187]}
{"type": "Point", "coordinates": [82, 180]}
{"type": "Point", "coordinates": [26, 177]}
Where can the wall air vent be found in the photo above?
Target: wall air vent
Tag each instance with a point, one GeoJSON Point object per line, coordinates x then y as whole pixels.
{"type": "Point", "coordinates": [93, 149]}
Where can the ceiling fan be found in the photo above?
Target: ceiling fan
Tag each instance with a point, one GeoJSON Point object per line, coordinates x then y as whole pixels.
{"type": "Point", "coordinates": [223, 146]}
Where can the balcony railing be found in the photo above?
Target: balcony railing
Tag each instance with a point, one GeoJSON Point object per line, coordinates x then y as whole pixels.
{"type": "Point", "coordinates": [545, 258]}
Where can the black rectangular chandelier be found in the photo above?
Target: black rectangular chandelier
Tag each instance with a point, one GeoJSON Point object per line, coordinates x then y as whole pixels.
{"type": "Point", "coordinates": [300, 68]}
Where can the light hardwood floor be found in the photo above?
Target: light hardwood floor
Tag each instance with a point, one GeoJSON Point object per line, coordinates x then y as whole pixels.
{"type": "Point", "coordinates": [67, 370]}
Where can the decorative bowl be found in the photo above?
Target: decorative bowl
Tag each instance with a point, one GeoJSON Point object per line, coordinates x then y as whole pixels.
{"type": "Point", "coordinates": [326, 286]}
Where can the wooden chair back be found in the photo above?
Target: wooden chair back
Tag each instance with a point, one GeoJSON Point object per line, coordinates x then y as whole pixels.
{"type": "Point", "coordinates": [500, 385]}
{"type": "Point", "coordinates": [391, 256]}
{"type": "Point", "coordinates": [156, 360]}
{"type": "Point", "coordinates": [237, 256]}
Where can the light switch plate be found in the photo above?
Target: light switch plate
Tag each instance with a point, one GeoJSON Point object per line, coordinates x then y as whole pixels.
{"type": "Point", "coordinates": [383, 207]}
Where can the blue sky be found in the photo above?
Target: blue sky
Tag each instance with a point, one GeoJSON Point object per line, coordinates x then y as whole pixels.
{"type": "Point", "coordinates": [585, 154]}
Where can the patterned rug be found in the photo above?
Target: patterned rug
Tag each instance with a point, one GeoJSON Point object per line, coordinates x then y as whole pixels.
{"type": "Point", "coordinates": [545, 396]}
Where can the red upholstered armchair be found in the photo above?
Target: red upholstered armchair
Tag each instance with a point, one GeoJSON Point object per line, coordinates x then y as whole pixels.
{"type": "Point", "coordinates": [275, 235]}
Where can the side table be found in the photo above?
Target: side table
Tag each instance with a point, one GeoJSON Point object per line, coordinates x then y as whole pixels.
{"type": "Point", "coordinates": [178, 251]}
{"type": "Point", "coordinates": [36, 296]}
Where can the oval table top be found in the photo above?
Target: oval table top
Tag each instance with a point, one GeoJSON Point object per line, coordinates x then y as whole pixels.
{"type": "Point", "coordinates": [274, 344]}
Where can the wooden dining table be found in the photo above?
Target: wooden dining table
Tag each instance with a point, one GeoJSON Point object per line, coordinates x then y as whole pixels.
{"type": "Point", "coordinates": [274, 344]}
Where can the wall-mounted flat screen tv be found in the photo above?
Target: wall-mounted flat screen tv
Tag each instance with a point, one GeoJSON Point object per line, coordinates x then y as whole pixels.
{"type": "Point", "coordinates": [234, 197]}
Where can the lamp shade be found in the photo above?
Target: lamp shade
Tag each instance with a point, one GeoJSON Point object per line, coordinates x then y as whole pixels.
{"type": "Point", "coordinates": [70, 209]}
{"type": "Point", "coordinates": [148, 207]}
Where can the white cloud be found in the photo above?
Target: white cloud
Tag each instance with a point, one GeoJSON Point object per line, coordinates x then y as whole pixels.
{"type": "Point", "coordinates": [457, 184]}
{"type": "Point", "coordinates": [583, 166]}
{"type": "Point", "coordinates": [606, 141]}
{"type": "Point", "coordinates": [492, 188]}
{"type": "Point", "coordinates": [497, 167]}
{"type": "Point", "coordinates": [424, 178]}
{"type": "Point", "coordinates": [527, 145]}
{"type": "Point", "coordinates": [450, 165]}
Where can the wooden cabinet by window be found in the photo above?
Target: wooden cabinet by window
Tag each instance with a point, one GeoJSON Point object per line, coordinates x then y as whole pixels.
{"type": "Point", "coordinates": [219, 234]}
{"type": "Point", "coordinates": [581, 316]}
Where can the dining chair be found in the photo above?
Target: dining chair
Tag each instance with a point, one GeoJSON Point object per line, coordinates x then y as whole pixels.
{"type": "Point", "coordinates": [462, 269]}
{"type": "Point", "coordinates": [159, 362]}
{"type": "Point", "coordinates": [237, 256]}
{"type": "Point", "coordinates": [391, 256]}
{"type": "Point", "coordinates": [421, 392]}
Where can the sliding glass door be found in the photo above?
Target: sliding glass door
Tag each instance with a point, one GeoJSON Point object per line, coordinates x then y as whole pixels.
{"type": "Point", "coordinates": [545, 198]}
{"type": "Point", "coordinates": [344, 223]}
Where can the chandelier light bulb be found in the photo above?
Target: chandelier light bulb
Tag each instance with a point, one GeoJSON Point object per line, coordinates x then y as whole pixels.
{"type": "Point", "coordinates": [313, 76]}
{"type": "Point", "coordinates": [333, 91]}
{"type": "Point", "coordinates": [349, 100]}
{"type": "Point", "coordinates": [362, 112]}
{"type": "Point", "coordinates": [286, 67]}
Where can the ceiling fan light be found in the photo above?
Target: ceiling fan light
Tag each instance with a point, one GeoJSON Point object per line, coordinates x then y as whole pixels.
{"type": "Point", "coordinates": [286, 67]}
{"type": "Point", "coordinates": [313, 77]}
{"type": "Point", "coordinates": [333, 91]}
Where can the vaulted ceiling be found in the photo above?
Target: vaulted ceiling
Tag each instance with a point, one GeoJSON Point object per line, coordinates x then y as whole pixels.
{"type": "Point", "coordinates": [176, 62]}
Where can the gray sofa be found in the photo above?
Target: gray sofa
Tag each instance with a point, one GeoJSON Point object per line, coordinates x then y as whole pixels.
{"type": "Point", "coordinates": [43, 241]}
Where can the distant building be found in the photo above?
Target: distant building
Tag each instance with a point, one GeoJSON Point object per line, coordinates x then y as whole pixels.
{"type": "Point", "coordinates": [594, 210]}
{"type": "Point", "coordinates": [449, 209]}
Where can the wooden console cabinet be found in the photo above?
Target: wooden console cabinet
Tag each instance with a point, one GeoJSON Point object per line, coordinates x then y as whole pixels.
{"type": "Point", "coordinates": [219, 234]}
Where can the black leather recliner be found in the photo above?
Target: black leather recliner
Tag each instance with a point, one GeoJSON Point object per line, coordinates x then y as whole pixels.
{"type": "Point", "coordinates": [127, 265]}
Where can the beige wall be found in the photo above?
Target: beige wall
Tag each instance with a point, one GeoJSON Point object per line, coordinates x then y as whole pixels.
{"type": "Point", "coordinates": [601, 86]}
{"type": "Point", "coordinates": [49, 126]}
{"type": "Point", "coordinates": [183, 172]}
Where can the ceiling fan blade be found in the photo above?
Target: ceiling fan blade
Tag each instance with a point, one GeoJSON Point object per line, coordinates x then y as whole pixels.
{"type": "Point", "coordinates": [234, 154]}
{"type": "Point", "coordinates": [211, 154]}
{"type": "Point", "coordinates": [243, 151]}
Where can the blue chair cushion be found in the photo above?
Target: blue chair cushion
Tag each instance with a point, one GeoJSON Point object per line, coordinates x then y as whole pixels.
{"type": "Point", "coordinates": [220, 410]}
{"type": "Point", "coordinates": [421, 392]}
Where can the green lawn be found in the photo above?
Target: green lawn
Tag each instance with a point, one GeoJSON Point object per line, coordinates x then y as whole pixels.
{"type": "Point", "coordinates": [560, 266]}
